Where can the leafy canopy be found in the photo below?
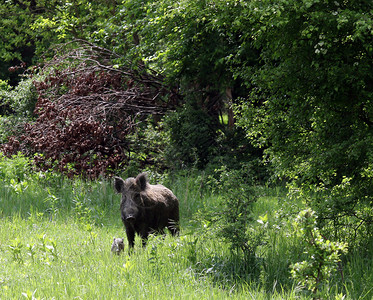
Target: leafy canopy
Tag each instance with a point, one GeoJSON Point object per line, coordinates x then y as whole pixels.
{"type": "Point", "coordinates": [311, 100]}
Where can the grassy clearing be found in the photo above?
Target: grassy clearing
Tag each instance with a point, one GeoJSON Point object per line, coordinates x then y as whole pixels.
{"type": "Point", "coordinates": [82, 265]}
{"type": "Point", "coordinates": [61, 259]}
{"type": "Point", "coordinates": [56, 234]}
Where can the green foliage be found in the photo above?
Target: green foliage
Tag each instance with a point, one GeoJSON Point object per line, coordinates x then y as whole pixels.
{"type": "Point", "coordinates": [310, 100]}
{"type": "Point", "coordinates": [16, 247]}
{"type": "Point", "coordinates": [234, 220]}
{"type": "Point", "coordinates": [323, 256]}
{"type": "Point", "coordinates": [17, 37]}
{"type": "Point", "coordinates": [192, 136]}
{"type": "Point", "coordinates": [21, 99]}
{"type": "Point", "coordinates": [45, 251]}
{"type": "Point", "coordinates": [41, 24]}
{"type": "Point", "coordinates": [190, 43]}
{"type": "Point", "coordinates": [10, 126]}
{"type": "Point", "coordinates": [77, 19]}
{"type": "Point", "coordinates": [149, 145]}
{"type": "Point", "coordinates": [16, 107]}
{"type": "Point", "coordinates": [189, 138]}
{"type": "Point", "coordinates": [4, 85]}
{"type": "Point", "coordinates": [52, 203]}
{"type": "Point", "coordinates": [11, 28]}
{"type": "Point", "coordinates": [184, 40]}
{"type": "Point", "coordinates": [16, 168]}
{"type": "Point", "coordinates": [82, 209]}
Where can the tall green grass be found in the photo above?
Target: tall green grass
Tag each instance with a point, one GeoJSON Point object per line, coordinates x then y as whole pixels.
{"type": "Point", "coordinates": [56, 235]}
{"type": "Point", "coordinates": [83, 267]}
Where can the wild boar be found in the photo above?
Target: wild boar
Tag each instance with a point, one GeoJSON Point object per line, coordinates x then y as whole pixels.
{"type": "Point", "coordinates": [118, 246]}
{"type": "Point", "coordinates": [146, 208]}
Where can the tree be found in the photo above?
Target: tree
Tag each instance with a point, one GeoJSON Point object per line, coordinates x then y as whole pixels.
{"type": "Point", "coordinates": [190, 42]}
{"type": "Point", "coordinates": [311, 102]}
{"type": "Point", "coordinates": [29, 28]}
{"type": "Point", "coordinates": [17, 40]}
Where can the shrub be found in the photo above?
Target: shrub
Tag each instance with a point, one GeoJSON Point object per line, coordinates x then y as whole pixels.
{"type": "Point", "coordinates": [14, 168]}
{"type": "Point", "coordinates": [19, 100]}
{"type": "Point", "coordinates": [85, 109]}
{"type": "Point", "coordinates": [234, 220]}
{"type": "Point", "coordinates": [322, 255]}
{"type": "Point", "coordinates": [193, 135]}
{"type": "Point", "coordinates": [148, 148]}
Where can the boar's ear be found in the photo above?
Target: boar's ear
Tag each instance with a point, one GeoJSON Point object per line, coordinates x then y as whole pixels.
{"type": "Point", "coordinates": [141, 181]}
{"type": "Point", "coordinates": [118, 184]}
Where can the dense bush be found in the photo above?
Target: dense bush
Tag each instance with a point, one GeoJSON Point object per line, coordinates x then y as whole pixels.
{"type": "Point", "coordinates": [193, 136]}
{"type": "Point", "coordinates": [14, 168]}
{"type": "Point", "coordinates": [323, 256]}
{"type": "Point", "coordinates": [16, 108]}
{"type": "Point", "coordinates": [233, 219]}
{"type": "Point", "coordinates": [149, 145]}
{"type": "Point", "coordinates": [84, 112]}
{"type": "Point", "coordinates": [19, 100]}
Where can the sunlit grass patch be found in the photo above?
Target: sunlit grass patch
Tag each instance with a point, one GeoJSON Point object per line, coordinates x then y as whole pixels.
{"type": "Point", "coordinates": [56, 236]}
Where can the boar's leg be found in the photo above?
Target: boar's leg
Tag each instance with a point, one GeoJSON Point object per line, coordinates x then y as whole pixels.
{"type": "Point", "coordinates": [173, 221]}
{"type": "Point", "coordinates": [173, 227]}
{"type": "Point", "coordinates": [130, 237]}
{"type": "Point", "coordinates": [144, 236]}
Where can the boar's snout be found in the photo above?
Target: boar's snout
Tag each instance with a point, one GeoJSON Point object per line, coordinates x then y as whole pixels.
{"type": "Point", "coordinates": [130, 218]}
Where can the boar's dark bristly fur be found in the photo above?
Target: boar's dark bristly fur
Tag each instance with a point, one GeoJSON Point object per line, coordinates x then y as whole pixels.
{"type": "Point", "coordinates": [146, 208]}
